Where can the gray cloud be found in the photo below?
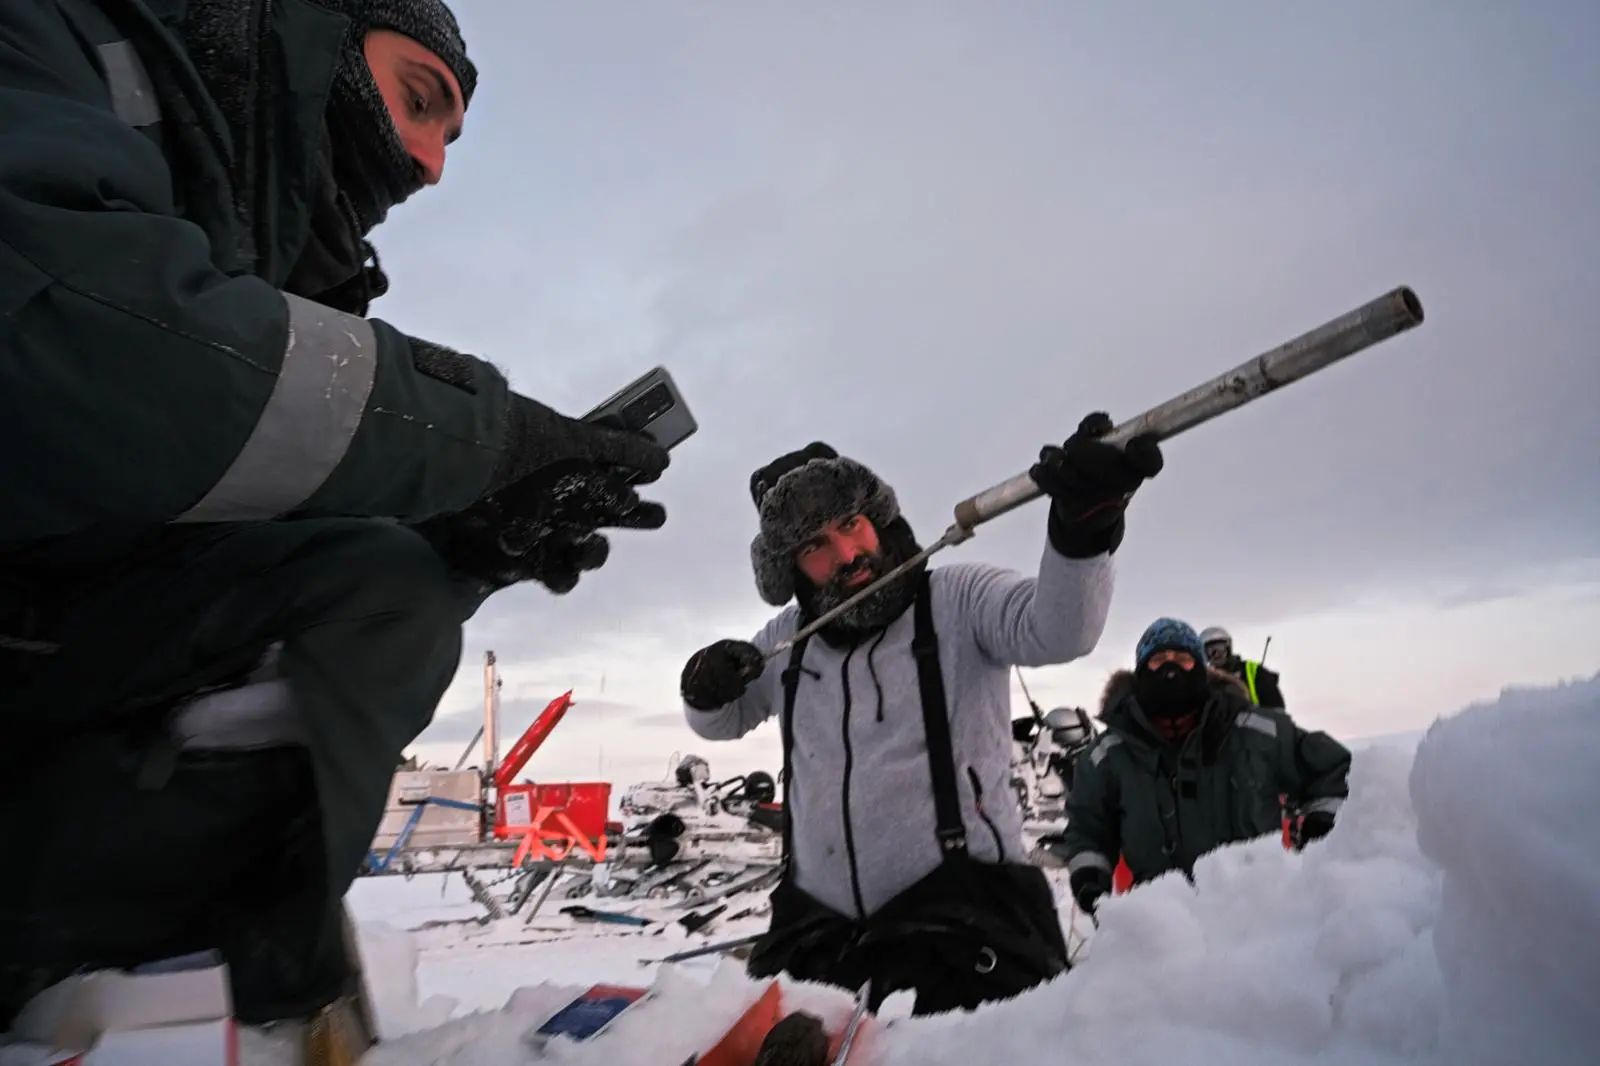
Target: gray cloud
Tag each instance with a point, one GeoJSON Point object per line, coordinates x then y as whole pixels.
{"type": "Point", "coordinates": [938, 241]}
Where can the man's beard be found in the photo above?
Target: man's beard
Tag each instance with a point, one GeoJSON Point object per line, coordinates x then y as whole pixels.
{"type": "Point", "coordinates": [879, 607]}
{"type": "Point", "coordinates": [844, 584]}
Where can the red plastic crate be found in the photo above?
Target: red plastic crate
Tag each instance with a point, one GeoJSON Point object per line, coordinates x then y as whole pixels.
{"type": "Point", "coordinates": [587, 803]}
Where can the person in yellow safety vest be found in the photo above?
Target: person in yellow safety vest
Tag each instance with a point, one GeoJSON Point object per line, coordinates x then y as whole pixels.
{"type": "Point", "coordinates": [1261, 683]}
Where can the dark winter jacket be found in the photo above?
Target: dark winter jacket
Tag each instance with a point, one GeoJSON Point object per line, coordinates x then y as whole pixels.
{"type": "Point", "coordinates": [1161, 806]}
{"type": "Point", "coordinates": [860, 798]}
{"type": "Point", "coordinates": [146, 376]}
{"type": "Point", "coordinates": [1259, 683]}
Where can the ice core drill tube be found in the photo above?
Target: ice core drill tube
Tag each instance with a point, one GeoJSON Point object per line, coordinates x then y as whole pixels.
{"type": "Point", "coordinates": [1373, 322]}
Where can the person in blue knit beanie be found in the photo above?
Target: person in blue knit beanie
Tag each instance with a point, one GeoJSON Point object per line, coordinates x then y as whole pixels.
{"type": "Point", "coordinates": [1188, 764]}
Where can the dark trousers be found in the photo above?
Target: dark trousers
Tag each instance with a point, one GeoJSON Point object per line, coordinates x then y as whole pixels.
{"type": "Point", "coordinates": [121, 850]}
{"type": "Point", "coordinates": [968, 933]}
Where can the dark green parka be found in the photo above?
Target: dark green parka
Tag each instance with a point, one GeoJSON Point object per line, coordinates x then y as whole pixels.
{"type": "Point", "coordinates": [149, 372]}
{"type": "Point", "coordinates": [1160, 806]}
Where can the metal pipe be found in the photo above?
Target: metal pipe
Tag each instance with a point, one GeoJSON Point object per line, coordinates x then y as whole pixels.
{"type": "Point", "coordinates": [491, 727]}
{"type": "Point", "coordinates": [1376, 321]}
{"type": "Point", "coordinates": [466, 753]}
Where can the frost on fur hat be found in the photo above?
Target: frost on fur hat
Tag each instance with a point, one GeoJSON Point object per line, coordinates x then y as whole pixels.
{"type": "Point", "coordinates": [799, 493]}
{"type": "Point", "coordinates": [1169, 634]}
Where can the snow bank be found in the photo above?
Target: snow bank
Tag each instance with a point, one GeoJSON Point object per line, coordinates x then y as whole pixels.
{"type": "Point", "coordinates": [1508, 804]}
{"type": "Point", "coordinates": [1448, 919]}
{"type": "Point", "coordinates": [686, 1015]}
{"type": "Point", "coordinates": [1271, 957]}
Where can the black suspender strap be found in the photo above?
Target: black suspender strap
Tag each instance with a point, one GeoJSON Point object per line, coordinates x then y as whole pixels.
{"type": "Point", "coordinates": [950, 830]}
{"type": "Point", "coordinates": [791, 684]}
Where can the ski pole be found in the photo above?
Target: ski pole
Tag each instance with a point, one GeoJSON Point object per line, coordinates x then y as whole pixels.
{"type": "Point", "coordinates": [1373, 322]}
{"type": "Point", "coordinates": [706, 949]}
{"type": "Point", "coordinates": [584, 913]}
{"type": "Point", "coordinates": [1263, 660]}
{"type": "Point", "coordinates": [852, 1028]}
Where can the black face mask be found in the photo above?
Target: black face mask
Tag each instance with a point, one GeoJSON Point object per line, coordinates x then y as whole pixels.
{"type": "Point", "coordinates": [370, 164]}
{"type": "Point", "coordinates": [1170, 691]}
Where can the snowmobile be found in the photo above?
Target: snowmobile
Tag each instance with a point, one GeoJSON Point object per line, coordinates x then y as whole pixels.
{"type": "Point", "coordinates": [1045, 747]}
{"type": "Point", "coordinates": [677, 819]}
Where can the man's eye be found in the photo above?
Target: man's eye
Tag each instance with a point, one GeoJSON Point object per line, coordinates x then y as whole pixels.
{"type": "Point", "coordinates": [419, 105]}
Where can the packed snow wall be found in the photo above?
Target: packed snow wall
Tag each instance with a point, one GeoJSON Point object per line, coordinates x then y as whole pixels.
{"type": "Point", "coordinates": [1507, 800]}
{"type": "Point", "coordinates": [1452, 919]}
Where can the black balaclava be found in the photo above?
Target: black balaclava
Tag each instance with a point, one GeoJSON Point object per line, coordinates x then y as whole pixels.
{"type": "Point", "coordinates": [371, 165]}
{"type": "Point", "coordinates": [1168, 691]}
{"type": "Point", "coordinates": [363, 169]}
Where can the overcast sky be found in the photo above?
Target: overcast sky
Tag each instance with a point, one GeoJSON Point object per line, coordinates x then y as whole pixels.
{"type": "Point", "coordinates": [937, 234]}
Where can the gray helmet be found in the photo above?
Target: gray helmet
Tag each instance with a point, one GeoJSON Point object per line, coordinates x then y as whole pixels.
{"type": "Point", "coordinates": [1218, 643]}
{"type": "Point", "coordinates": [1066, 726]}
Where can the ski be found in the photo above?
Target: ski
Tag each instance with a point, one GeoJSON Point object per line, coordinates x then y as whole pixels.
{"type": "Point", "coordinates": [705, 949]}
{"type": "Point", "coordinates": [752, 883]}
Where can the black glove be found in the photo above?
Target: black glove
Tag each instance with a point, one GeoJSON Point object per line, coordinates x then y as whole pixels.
{"type": "Point", "coordinates": [539, 437]}
{"type": "Point", "coordinates": [1090, 483]}
{"type": "Point", "coordinates": [542, 529]}
{"type": "Point", "coordinates": [1313, 826]}
{"type": "Point", "coordinates": [1088, 885]}
{"type": "Point", "coordinates": [574, 499]}
{"type": "Point", "coordinates": [718, 674]}
{"type": "Point", "coordinates": [543, 443]}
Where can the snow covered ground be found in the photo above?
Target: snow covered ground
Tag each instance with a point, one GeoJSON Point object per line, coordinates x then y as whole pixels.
{"type": "Point", "coordinates": [1452, 917]}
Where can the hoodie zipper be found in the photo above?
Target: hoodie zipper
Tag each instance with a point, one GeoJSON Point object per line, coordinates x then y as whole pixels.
{"type": "Point", "coordinates": [977, 793]}
{"type": "Point", "coordinates": [849, 764]}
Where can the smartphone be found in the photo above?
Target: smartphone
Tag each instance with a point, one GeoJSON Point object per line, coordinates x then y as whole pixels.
{"type": "Point", "coordinates": [651, 405]}
{"type": "Point", "coordinates": [587, 1016]}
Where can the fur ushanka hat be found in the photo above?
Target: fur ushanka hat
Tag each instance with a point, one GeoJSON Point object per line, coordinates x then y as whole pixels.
{"type": "Point", "coordinates": [799, 493]}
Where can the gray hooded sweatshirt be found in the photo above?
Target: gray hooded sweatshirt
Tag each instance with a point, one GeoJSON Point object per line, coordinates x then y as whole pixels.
{"type": "Point", "coordinates": [860, 797]}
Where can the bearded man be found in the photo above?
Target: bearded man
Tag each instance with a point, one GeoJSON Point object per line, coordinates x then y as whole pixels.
{"type": "Point", "coordinates": [903, 839]}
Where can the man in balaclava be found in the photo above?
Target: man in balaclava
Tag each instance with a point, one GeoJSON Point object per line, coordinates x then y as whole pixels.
{"type": "Point", "coordinates": [1185, 765]}
{"type": "Point", "coordinates": [903, 838]}
{"type": "Point", "coordinates": [246, 522]}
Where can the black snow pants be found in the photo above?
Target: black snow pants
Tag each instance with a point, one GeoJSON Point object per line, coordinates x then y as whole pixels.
{"type": "Point", "coordinates": [968, 933]}
{"type": "Point", "coordinates": [121, 849]}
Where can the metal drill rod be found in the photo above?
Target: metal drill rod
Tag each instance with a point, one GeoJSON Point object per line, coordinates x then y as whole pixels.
{"type": "Point", "coordinates": [1389, 315]}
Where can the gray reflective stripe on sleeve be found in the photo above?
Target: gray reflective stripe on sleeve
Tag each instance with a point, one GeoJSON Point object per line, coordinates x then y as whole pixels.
{"type": "Point", "coordinates": [1088, 860]}
{"type": "Point", "coordinates": [311, 417]}
{"type": "Point", "coordinates": [1100, 750]}
{"type": "Point", "coordinates": [1259, 722]}
{"type": "Point", "coordinates": [1328, 805]}
{"type": "Point", "coordinates": [133, 98]}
